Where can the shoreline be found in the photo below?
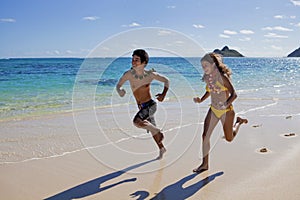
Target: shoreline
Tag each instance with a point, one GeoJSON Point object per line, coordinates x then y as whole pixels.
{"type": "Point", "coordinates": [53, 119]}
{"type": "Point", "coordinates": [37, 115]}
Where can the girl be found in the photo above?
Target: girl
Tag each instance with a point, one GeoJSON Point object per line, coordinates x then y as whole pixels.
{"type": "Point", "coordinates": [219, 87]}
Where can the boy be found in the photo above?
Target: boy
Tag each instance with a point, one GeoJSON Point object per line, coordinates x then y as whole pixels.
{"type": "Point", "coordinates": [140, 80]}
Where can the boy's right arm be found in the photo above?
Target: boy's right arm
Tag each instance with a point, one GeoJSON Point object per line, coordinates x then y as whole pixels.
{"type": "Point", "coordinates": [122, 80]}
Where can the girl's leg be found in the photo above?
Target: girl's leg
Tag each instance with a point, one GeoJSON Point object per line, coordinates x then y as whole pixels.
{"type": "Point", "coordinates": [230, 130]}
{"type": "Point", "coordinates": [210, 123]}
{"type": "Point", "coordinates": [227, 122]}
{"type": "Point", "coordinates": [238, 123]}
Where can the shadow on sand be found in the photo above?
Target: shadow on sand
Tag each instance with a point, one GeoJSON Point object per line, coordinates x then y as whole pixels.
{"type": "Point", "coordinates": [176, 190]}
{"type": "Point", "coordinates": [94, 186]}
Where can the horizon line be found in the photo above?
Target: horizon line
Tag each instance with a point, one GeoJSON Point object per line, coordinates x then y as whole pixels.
{"type": "Point", "coordinates": [109, 57]}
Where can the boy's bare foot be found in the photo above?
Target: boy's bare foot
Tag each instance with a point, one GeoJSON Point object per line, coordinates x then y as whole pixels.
{"type": "Point", "coordinates": [162, 151]}
{"type": "Point", "coordinates": [161, 137]}
{"type": "Point", "coordinates": [200, 169]}
{"type": "Point", "coordinates": [240, 120]}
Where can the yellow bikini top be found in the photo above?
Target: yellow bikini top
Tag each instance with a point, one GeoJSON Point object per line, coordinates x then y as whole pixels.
{"type": "Point", "coordinates": [218, 87]}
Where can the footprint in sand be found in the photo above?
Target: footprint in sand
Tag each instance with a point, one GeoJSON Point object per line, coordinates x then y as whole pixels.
{"type": "Point", "coordinates": [263, 150]}
{"type": "Point", "coordinates": [257, 125]}
{"type": "Point", "coordinates": [289, 135]}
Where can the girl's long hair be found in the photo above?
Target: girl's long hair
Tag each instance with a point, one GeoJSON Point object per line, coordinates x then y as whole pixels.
{"type": "Point", "coordinates": [218, 60]}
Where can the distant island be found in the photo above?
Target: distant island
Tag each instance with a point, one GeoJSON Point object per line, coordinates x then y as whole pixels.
{"type": "Point", "coordinates": [226, 52]}
{"type": "Point", "coordinates": [295, 53]}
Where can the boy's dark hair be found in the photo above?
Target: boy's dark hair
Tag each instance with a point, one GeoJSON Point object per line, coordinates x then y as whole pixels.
{"type": "Point", "coordinates": [142, 54]}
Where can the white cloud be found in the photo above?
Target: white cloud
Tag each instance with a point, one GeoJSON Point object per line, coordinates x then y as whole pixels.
{"type": "Point", "coordinates": [53, 53]}
{"type": "Point", "coordinates": [164, 32]}
{"type": "Point", "coordinates": [274, 35]}
{"type": "Point", "coordinates": [297, 25]}
{"type": "Point", "coordinates": [276, 47]}
{"type": "Point", "coordinates": [179, 42]}
{"type": "Point", "coordinates": [69, 52]}
{"type": "Point", "coordinates": [276, 28]}
{"type": "Point", "coordinates": [198, 26]}
{"type": "Point", "coordinates": [293, 17]}
{"type": "Point", "coordinates": [105, 48]}
{"type": "Point", "coordinates": [228, 32]}
{"type": "Point", "coordinates": [85, 50]}
{"type": "Point", "coordinates": [224, 36]}
{"type": "Point", "coordinates": [246, 32]}
{"type": "Point", "coordinates": [280, 28]}
{"type": "Point", "coordinates": [268, 28]}
{"type": "Point", "coordinates": [296, 2]}
{"type": "Point", "coordinates": [279, 17]}
{"type": "Point", "coordinates": [134, 24]}
{"type": "Point", "coordinates": [9, 20]}
{"type": "Point", "coordinates": [171, 7]}
{"type": "Point", "coordinates": [135, 46]}
{"type": "Point", "coordinates": [246, 39]}
{"type": "Point", "coordinates": [90, 18]}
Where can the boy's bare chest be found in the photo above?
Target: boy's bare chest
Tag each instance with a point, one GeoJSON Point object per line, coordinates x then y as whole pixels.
{"type": "Point", "coordinates": [138, 83]}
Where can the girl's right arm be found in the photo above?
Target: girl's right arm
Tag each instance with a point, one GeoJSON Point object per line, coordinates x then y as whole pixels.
{"type": "Point", "coordinates": [199, 100]}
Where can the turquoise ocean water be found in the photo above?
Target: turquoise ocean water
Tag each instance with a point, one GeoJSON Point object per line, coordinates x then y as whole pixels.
{"type": "Point", "coordinates": [32, 87]}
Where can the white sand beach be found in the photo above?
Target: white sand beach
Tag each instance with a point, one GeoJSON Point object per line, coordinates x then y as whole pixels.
{"type": "Point", "coordinates": [61, 157]}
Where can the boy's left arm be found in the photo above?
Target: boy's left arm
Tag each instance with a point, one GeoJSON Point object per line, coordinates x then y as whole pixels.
{"type": "Point", "coordinates": [165, 80]}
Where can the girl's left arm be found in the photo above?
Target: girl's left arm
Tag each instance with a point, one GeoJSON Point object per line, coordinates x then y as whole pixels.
{"type": "Point", "coordinates": [231, 90]}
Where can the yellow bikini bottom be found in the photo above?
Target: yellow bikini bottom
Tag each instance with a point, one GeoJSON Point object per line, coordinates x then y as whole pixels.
{"type": "Point", "coordinates": [218, 113]}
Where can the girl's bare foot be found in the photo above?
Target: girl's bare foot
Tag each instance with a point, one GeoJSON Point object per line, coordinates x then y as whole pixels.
{"type": "Point", "coordinates": [240, 120]}
{"type": "Point", "coordinates": [200, 169]}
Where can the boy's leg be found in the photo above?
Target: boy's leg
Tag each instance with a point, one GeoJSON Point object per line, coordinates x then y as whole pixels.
{"type": "Point", "coordinates": [156, 133]}
{"type": "Point", "coordinates": [141, 121]}
{"type": "Point", "coordinates": [159, 136]}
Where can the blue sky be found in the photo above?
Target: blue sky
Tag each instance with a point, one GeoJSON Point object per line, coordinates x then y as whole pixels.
{"type": "Point", "coordinates": [72, 28]}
